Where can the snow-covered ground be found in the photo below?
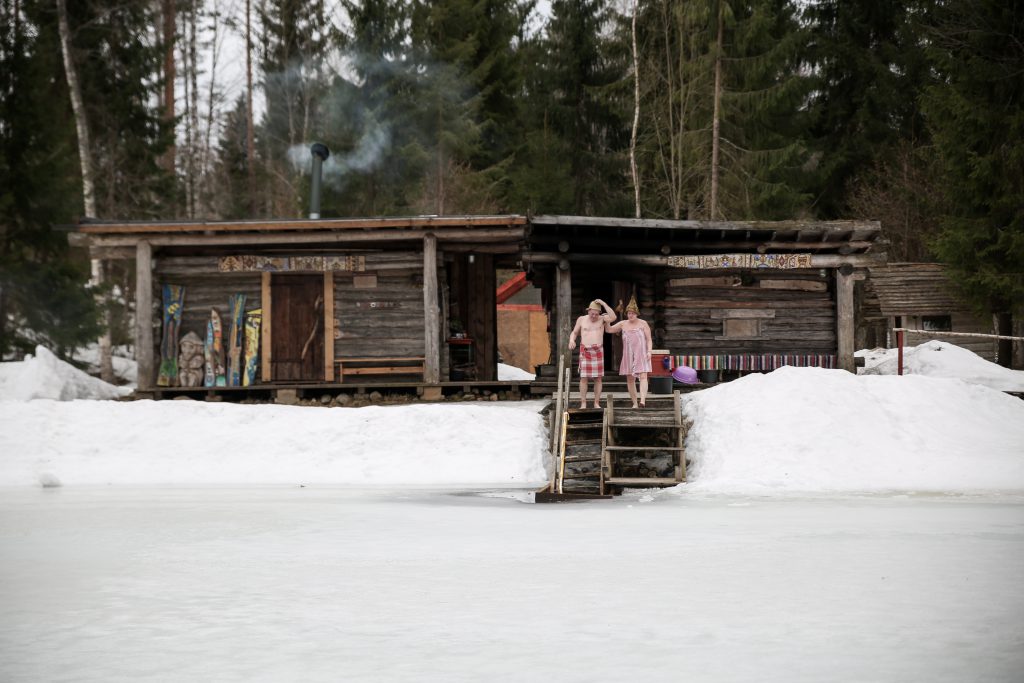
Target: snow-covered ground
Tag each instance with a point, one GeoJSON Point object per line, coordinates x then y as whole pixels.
{"type": "Point", "coordinates": [835, 528]}
{"type": "Point", "coordinates": [508, 373]}
{"type": "Point", "coordinates": [940, 359]}
{"type": "Point", "coordinates": [792, 430]}
{"type": "Point", "coordinates": [126, 370]}
{"type": "Point", "coordinates": [46, 376]}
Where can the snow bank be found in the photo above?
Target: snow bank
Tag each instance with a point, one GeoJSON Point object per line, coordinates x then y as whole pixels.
{"type": "Point", "coordinates": [46, 376]}
{"type": "Point", "coordinates": [125, 369]}
{"type": "Point", "coordinates": [509, 373]}
{"type": "Point", "coordinates": [187, 442]}
{"type": "Point", "coordinates": [810, 429]}
{"type": "Point", "coordinates": [940, 359]}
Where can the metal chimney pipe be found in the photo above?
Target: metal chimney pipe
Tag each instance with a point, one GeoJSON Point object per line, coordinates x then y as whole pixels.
{"type": "Point", "coordinates": [320, 154]}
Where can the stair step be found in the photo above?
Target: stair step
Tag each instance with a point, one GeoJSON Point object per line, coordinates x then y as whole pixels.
{"type": "Point", "coordinates": [642, 481]}
{"type": "Point", "coordinates": [650, 425]}
{"type": "Point", "coordinates": [581, 442]}
{"type": "Point", "coordinates": [582, 458]}
{"type": "Point", "coordinates": [584, 475]}
{"type": "Point", "coordinates": [584, 425]}
{"type": "Point", "coordinates": [643, 448]}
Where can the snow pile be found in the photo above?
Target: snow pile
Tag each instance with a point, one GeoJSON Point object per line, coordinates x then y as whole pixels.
{"type": "Point", "coordinates": [510, 373]}
{"type": "Point", "coordinates": [810, 429]}
{"type": "Point", "coordinates": [46, 376]}
{"type": "Point", "coordinates": [125, 369]}
{"type": "Point", "coordinates": [188, 442]}
{"type": "Point", "coordinates": [940, 359]}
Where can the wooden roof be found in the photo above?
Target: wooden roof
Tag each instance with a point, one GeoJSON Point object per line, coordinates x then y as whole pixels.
{"type": "Point", "coordinates": [914, 289]}
{"type": "Point", "coordinates": [686, 236]}
{"type": "Point", "coordinates": [296, 225]}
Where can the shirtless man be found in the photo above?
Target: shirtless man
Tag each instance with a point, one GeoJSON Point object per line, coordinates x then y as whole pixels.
{"type": "Point", "coordinates": [590, 328]}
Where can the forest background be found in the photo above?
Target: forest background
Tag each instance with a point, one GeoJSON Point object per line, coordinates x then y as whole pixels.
{"type": "Point", "coordinates": [906, 112]}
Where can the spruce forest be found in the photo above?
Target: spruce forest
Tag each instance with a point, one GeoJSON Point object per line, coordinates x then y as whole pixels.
{"type": "Point", "coordinates": [910, 112]}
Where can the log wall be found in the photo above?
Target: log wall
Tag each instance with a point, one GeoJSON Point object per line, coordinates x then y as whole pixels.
{"type": "Point", "coordinates": [205, 288]}
{"type": "Point", "coordinates": [378, 312]}
{"type": "Point", "coordinates": [746, 312]}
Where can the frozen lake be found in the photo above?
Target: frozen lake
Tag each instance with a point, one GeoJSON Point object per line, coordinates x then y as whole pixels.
{"type": "Point", "coordinates": [319, 584]}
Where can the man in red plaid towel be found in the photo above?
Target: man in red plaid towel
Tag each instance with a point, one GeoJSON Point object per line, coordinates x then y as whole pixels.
{"type": "Point", "coordinates": [590, 328]}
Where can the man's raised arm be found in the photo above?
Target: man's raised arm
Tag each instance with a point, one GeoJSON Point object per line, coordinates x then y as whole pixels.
{"type": "Point", "coordinates": [608, 312]}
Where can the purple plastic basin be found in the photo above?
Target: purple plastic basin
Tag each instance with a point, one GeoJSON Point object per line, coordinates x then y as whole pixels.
{"type": "Point", "coordinates": [684, 374]}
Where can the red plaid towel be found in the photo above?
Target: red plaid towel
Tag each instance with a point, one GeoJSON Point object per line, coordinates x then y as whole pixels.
{"type": "Point", "coordinates": [592, 361]}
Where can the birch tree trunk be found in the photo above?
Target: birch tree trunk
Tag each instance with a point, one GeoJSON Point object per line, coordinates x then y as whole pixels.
{"type": "Point", "coordinates": [78, 109]}
{"type": "Point", "coordinates": [88, 188]}
{"type": "Point", "coordinates": [193, 74]}
{"type": "Point", "coordinates": [715, 130]}
{"type": "Point", "coordinates": [636, 117]}
{"type": "Point", "coordinates": [170, 74]}
{"type": "Point", "coordinates": [250, 143]}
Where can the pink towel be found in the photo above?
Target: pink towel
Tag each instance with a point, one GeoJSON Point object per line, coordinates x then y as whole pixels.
{"type": "Point", "coordinates": [634, 353]}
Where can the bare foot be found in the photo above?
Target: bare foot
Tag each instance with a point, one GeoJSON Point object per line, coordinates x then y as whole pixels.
{"type": "Point", "coordinates": [642, 404]}
{"type": "Point", "coordinates": [634, 405]}
{"type": "Point", "coordinates": [597, 406]}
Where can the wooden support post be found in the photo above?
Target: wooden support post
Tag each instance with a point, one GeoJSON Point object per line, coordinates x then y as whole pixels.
{"type": "Point", "coordinates": [265, 336]}
{"type": "Point", "coordinates": [329, 326]}
{"type": "Point", "coordinates": [844, 320]}
{"type": "Point", "coordinates": [899, 354]}
{"type": "Point", "coordinates": [563, 309]}
{"type": "Point", "coordinates": [431, 313]}
{"type": "Point", "coordinates": [144, 315]}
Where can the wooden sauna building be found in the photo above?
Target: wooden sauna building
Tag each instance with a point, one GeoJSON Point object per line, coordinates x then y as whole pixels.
{"type": "Point", "coordinates": [723, 297]}
{"type": "Point", "coordinates": [344, 303]}
{"type": "Point", "coordinates": [919, 296]}
{"type": "Point", "coordinates": [411, 302]}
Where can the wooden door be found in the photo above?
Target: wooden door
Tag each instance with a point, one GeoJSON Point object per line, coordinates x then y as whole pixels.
{"type": "Point", "coordinates": [297, 330]}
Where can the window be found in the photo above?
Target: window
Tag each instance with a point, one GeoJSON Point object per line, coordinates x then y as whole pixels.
{"type": "Point", "coordinates": [937, 323]}
{"type": "Point", "coordinates": [741, 327]}
{"type": "Point", "coordinates": [742, 323]}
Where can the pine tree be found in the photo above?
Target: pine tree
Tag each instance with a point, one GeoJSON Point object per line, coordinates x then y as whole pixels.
{"type": "Point", "coordinates": [579, 137]}
{"type": "Point", "coordinates": [42, 299]}
{"type": "Point", "coordinates": [296, 42]}
{"type": "Point", "coordinates": [975, 113]}
{"type": "Point", "coordinates": [720, 131]}
{"type": "Point", "coordinates": [119, 65]}
{"type": "Point", "coordinates": [869, 69]}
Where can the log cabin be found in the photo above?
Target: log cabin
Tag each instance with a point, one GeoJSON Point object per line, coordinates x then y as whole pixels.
{"type": "Point", "coordinates": [412, 301]}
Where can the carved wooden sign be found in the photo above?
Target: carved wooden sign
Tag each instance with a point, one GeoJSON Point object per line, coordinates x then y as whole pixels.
{"type": "Point", "coordinates": [711, 261]}
{"type": "Point", "coordinates": [376, 304]}
{"type": "Point", "coordinates": [286, 264]}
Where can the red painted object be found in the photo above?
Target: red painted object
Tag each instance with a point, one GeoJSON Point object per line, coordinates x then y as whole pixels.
{"type": "Point", "coordinates": [507, 290]}
{"type": "Point", "coordinates": [661, 363]}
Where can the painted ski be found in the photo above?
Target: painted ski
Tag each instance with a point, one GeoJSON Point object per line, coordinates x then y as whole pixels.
{"type": "Point", "coordinates": [173, 301]}
{"type": "Point", "coordinates": [236, 304]}
{"type": "Point", "coordinates": [214, 352]}
{"type": "Point", "coordinates": [253, 320]}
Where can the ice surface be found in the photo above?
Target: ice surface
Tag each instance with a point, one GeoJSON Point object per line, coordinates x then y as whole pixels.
{"type": "Point", "coordinates": [341, 585]}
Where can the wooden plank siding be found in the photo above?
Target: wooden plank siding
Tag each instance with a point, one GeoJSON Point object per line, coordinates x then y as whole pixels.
{"type": "Point", "coordinates": [204, 291]}
{"type": "Point", "coordinates": [382, 320]}
{"type": "Point", "coordinates": [911, 291]}
{"type": "Point", "coordinates": [385, 321]}
{"type": "Point", "coordinates": [800, 319]}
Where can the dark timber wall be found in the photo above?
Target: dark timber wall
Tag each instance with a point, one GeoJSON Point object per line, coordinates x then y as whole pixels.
{"type": "Point", "coordinates": [737, 312]}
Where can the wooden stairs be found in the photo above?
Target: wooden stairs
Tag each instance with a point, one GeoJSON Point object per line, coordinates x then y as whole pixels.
{"type": "Point", "coordinates": [598, 452]}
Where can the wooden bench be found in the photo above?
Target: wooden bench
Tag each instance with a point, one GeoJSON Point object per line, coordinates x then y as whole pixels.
{"type": "Point", "coordinates": [395, 365]}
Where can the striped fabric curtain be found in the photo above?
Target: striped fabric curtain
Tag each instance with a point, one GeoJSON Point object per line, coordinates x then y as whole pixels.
{"type": "Point", "coordinates": [755, 362]}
